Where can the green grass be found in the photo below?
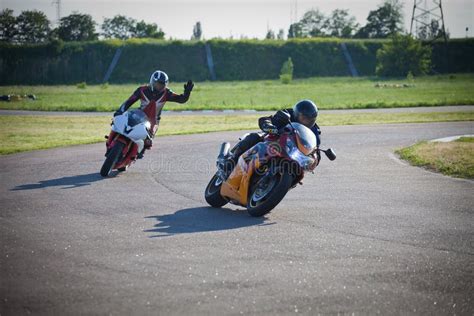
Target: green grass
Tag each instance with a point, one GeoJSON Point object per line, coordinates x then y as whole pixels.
{"type": "Point", "coordinates": [453, 158]}
{"type": "Point", "coordinates": [24, 133]}
{"type": "Point", "coordinates": [466, 140]}
{"type": "Point", "coordinates": [328, 93]}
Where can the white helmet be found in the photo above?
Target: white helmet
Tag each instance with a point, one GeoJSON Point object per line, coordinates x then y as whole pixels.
{"type": "Point", "coordinates": [158, 76]}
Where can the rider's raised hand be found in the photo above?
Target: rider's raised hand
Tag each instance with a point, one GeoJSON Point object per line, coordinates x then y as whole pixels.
{"type": "Point", "coordinates": [188, 87]}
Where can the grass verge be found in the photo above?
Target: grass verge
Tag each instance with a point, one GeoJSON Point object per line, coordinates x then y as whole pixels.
{"type": "Point", "coordinates": [24, 133]}
{"type": "Point", "coordinates": [452, 158]}
{"type": "Point", "coordinates": [327, 92]}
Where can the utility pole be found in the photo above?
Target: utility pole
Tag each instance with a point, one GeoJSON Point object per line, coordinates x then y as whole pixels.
{"type": "Point", "coordinates": [426, 12]}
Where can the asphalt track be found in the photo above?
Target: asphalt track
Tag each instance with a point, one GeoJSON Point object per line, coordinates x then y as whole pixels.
{"type": "Point", "coordinates": [366, 234]}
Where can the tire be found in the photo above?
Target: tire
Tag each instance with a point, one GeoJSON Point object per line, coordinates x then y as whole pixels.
{"type": "Point", "coordinates": [213, 193]}
{"type": "Point", "coordinates": [111, 159]}
{"type": "Point", "coordinates": [282, 183]}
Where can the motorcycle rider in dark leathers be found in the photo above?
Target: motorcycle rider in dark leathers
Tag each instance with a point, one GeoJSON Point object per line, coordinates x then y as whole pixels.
{"type": "Point", "coordinates": [303, 112]}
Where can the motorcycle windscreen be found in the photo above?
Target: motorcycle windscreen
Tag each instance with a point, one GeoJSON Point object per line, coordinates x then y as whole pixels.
{"type": "Point", "coordinates": [305, 162]}
{"type": "Point", "coordinates": [305, 138]}
{"type": "Point", "coordinates": [136, 117]}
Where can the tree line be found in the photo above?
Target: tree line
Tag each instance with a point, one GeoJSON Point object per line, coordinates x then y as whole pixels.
{"type": "Point", "coordinates": [383, 22]}
{"type": "Point", "coordinates": [401, 56]}
{"type": "Point", "coordinates": [32, 26]}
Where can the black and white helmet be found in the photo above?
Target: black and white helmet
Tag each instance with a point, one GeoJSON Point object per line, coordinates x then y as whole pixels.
{"type": "Point", "coordinates": [158, 76]}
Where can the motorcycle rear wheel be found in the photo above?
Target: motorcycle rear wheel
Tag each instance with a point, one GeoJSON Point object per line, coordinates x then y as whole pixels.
{"type": "Point", "coordinates": [213, 193]}
{"type": "Point", "coordinates": [112, 158]}
{"type": "Point", "coordinates": [267, 193]}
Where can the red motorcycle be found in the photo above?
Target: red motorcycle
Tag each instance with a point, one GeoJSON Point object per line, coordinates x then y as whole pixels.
{"type": "Point", "coordinates": [131, 133]}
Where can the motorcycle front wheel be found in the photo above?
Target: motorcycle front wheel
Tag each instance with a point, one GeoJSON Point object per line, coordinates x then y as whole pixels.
{"type": "Point", "coordinates": [112, 158]}
{"type": "Point", "coordinates": [267, 192]}
{"type": "Point", "coordinates": [213, 192]}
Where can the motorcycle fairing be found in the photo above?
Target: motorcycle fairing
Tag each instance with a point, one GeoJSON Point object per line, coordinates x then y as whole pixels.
{"type": "Point", "coordinates": [128, 151]}
{"type": "Point", "coordinates": [237, 184]}
{"type": "Point", "coordinates": [136, 133]}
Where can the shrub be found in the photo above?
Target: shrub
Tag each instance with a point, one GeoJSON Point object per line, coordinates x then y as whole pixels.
{"type": "Point", "coordinates": [286, 79]}
{"type": "Point", "coordinates": [286, 72]}
{"type": "Point", "coordinates": [403, 54]}
{"type": "Point", "coordinates": [81, 85]}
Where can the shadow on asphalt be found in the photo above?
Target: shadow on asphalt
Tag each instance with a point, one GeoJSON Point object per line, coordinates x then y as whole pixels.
{"type": "Point", "coordinates": [66, 182]}
{"type": "Point", "coordinates": [202, 219]}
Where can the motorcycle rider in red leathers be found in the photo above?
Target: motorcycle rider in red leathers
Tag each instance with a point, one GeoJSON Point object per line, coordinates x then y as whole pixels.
{"type": "Point", "coordinates": [156, 91]}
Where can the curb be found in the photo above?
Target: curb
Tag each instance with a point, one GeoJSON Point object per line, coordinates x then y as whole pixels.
{"type": "Point", "coordinates": [448, 139]}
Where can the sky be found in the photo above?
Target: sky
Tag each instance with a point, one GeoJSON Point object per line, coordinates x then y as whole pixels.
{"type": "Point", "coordinates": [235, 18]}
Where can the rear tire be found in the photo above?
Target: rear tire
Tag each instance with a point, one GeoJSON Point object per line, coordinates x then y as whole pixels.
{"type": "Point", "coordinates": [112, 158]}
{"type": "Point", "coordinates": [271, 199]}
{"type": "Point", "coordinates": [213, 193]}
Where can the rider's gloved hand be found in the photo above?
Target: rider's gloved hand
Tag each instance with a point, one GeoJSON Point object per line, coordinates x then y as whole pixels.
{"type": "Point", "coordinates": [270, 129]}
{"type": "Point", "coordinates": [188, 87]}
{"type": "Point", "coordinates": [118, 112]}
{"type": "Point", "coordinates": [281, 118]}
{"type": "Point", "coordinates": [148, 143]}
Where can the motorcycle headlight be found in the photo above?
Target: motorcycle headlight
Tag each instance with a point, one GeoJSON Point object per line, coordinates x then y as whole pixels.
{"type": "Point", "coordinates": [304, 161]}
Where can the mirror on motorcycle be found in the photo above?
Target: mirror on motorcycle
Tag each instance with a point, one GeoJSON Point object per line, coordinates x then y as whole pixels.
{"type": "Point", "coordinates": [330, 154]}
